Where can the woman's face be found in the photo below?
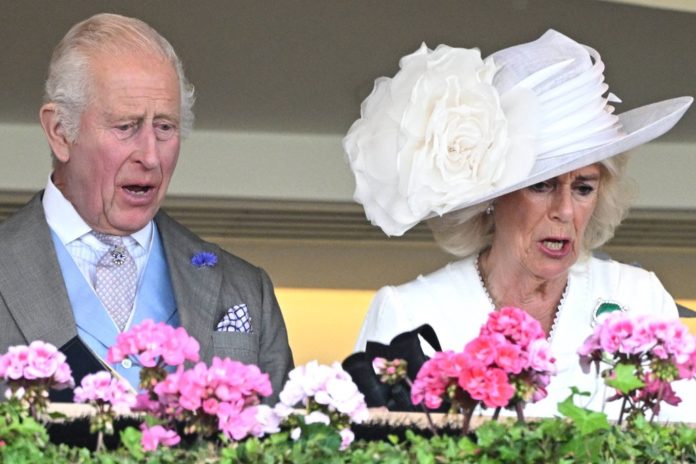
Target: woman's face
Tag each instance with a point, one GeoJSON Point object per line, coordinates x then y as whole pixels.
{"type": "Point", "coordinates": [541, 227]}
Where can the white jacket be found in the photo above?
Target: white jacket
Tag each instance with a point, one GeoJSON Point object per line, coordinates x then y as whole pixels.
{"type": "Point", "coordinates": [453, 301]}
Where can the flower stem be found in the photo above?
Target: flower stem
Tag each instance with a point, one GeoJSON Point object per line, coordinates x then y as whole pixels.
{"type": "Point", "coordinates": [496, 413]}
{"type": "Point", "coordinates": [468, 413]}
{"type": "Point", "coordinates": [431, 424]}
{"type": "Point", "coordinates": [623, 409]}
{"type": "Point", "coordinates": [660, 395]}
{"type": "Point", "coordinates": [100, 441]}
{"type": "Point", "coordinates": [519, 409]}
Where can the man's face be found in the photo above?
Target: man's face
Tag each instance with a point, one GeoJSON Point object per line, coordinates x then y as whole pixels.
{"type": "Point", "coordinates": [117, 171]}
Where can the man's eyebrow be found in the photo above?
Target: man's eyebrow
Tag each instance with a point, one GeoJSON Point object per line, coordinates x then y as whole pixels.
{"type": "Point", "coordinates": [123, 117]}
{"type": "Point", "coordinates": [169, 116]}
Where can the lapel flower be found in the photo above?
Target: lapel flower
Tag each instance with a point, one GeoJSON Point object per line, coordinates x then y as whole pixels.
{"type": "Point", "coordinates": [204, 259]}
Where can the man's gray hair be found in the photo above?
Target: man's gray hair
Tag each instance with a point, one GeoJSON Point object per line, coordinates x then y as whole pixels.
{"type": "Point", "coordinates": [68, 84]}
{"type": "Point", "coordinates": [468, 231]}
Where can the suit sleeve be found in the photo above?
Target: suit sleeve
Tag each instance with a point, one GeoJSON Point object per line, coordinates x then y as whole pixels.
{"type": "Point", "coordinates": [275, 356]}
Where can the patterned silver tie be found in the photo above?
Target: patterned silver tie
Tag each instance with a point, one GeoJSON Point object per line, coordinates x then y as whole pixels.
{"type": "Point", "coordinates": [116, 279]}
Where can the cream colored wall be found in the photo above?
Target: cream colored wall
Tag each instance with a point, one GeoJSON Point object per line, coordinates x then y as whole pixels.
{"type": "Point", "coordinates": [236, 165]}
{"type": "Point", "coordinates": [310, 167]}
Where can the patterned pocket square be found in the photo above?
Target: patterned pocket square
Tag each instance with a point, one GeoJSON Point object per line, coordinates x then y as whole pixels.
{"type": "Point", "coordinates": [237, 319]}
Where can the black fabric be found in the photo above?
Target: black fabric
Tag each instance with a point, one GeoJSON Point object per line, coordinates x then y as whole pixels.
{"type": "Point", "coordinates": [359, 366]}
{"type": "Point", "coordinates": [406, 346]}
{"type": "Point", "coordinates": [82, 362]}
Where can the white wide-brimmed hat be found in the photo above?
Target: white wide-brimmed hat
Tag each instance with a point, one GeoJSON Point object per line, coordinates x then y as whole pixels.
{"type": "Point", "coordinates": [452, 130]}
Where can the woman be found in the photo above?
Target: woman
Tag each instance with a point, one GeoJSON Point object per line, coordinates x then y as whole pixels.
{"type": "Point", "coordinates": [516, 163]}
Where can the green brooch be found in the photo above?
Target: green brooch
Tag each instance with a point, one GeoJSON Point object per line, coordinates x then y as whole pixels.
{"type": "Point", "coordinates": [603, 308]}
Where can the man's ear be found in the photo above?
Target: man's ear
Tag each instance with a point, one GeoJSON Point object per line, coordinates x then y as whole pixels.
{"type": "Point", "coordinates": [55, 132]}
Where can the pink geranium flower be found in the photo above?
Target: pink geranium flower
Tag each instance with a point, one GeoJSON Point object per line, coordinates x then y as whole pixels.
{"type": "Point", "coordinates": [109, 396]}
{"type": "Point", "coordinates": [30, 371]}
{"type": "Point", "coordinates": [205, 400]}
{"type": "Point", "coordinates": [511, 350]}
{"type": "Point", "coordinates": [154, 344]}
{"type": "Point", "coordinates": [158, 435]}
{"type": "Point", "coordinates": [221, 397]}
{"type": "Point", "coordinates": [102, 388]}
{"type": "Point", "coordinates": [659, 350]}
{"type": "Point", "coordinates": [498, 391]}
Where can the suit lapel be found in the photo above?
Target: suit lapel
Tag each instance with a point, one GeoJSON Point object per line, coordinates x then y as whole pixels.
{"type": "Point", "coordinates": [31, 280]}
{"type": "Point", "coordinates": [196, 290]}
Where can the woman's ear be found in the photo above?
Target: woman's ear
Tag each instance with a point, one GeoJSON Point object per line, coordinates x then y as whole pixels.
{"type": "Point", "coordinates": [55, 132]}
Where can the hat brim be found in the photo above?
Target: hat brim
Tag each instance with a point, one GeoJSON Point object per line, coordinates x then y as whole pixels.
{"type": "Point", "coordinates": [640, 125]}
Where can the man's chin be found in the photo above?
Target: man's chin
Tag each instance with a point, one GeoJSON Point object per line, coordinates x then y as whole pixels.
{"type": "Point", "coordinates": [130, 223]}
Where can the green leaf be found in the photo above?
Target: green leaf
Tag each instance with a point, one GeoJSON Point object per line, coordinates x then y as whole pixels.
{"type": "Point", "coordinates": [467, 446]}
{"type": "Point", "coordinates": [130, 438]}
{"type": "Point", "coordinates": [585, 420]}
{"type": "Point", "coordinates": [625, 379]}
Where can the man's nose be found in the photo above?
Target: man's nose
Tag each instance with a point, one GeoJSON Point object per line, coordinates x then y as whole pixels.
{"type": "Point", "coordinates": [146, 150]}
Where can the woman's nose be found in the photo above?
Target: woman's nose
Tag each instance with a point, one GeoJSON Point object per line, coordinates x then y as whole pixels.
{"type": "Point", "coordinates": [561, 207]}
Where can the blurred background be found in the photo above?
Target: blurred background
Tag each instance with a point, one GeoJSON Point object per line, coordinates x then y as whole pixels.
{"type": "Point", "coordinates": [278, 84]}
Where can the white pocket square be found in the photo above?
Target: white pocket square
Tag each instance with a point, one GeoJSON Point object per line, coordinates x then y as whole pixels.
{"type": "Point", "coordinates": [236, 319]}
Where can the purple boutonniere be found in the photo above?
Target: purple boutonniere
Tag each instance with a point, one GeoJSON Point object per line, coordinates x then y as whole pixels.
{"type": "Point", "coordinates": [204, 259]}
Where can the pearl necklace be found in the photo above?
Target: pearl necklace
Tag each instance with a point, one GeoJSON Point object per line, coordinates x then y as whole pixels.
{"type": "Point", "coordinates": [559, 307]}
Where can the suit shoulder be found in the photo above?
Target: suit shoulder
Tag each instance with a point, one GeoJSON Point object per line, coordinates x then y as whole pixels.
{"type": "Point", "coordinates": [171, 229]}
{"type": "Point", "coordinates": [27, 217]}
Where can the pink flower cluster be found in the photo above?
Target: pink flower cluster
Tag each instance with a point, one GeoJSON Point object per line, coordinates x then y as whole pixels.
{"type": "Point", "coordinates": [661, 350]}
{"type": "Point", "coordinates": [154, 343]}
{"type": "Point", "coordinates": [329, 395]}
{"type": "Point", "coordinates": [627, 334]}
{"type": "Point", "coordinates": [390, 371]}
{"type": "Point", "coordinates": [39, 362]}
{"type": "Point", "coordinates": [102, 388]}
{"type": "Point", "coordinates": [509, 361]}
{"type": "Point", "coordinates": [221, 397]}
{"type": "Point", "coordinates": [158, 435]}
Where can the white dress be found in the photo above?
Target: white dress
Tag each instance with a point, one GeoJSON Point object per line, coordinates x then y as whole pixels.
{"type": "Point", "coordinates": [454, 302]}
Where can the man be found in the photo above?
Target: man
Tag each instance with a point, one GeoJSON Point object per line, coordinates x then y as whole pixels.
{"type": "Point", "coordinates": [92, 255]}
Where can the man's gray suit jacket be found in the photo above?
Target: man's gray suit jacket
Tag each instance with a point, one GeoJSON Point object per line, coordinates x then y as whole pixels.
{"type": "Point", "coordinates": [34, 302]}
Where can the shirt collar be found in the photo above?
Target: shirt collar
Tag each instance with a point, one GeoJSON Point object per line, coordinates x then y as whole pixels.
{"type": "Point", "coordinates": [64, 220]}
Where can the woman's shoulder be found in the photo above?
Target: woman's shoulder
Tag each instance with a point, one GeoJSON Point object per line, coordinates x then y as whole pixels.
{"type": "Point", "coordinates": [615, 272]}
{"type": "Point", "coordinates": [448, 278]}
{"type": "Point", "coordinates": [448, 299]}
{"type": "Point", "coordinates": [628, 284]}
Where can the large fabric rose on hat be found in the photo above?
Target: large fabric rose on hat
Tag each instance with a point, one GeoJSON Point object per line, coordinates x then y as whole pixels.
{"type": "Point", "coordinates": [436, 134]}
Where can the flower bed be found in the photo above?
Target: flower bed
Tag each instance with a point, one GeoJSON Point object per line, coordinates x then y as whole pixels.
{"type": "Point", "coordinates": [214, 413]}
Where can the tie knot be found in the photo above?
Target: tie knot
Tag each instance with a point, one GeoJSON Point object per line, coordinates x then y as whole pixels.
{"type": "Point", "coordinates": [112, 240]}
{"type": "Point", "coordinates": [117, 254]}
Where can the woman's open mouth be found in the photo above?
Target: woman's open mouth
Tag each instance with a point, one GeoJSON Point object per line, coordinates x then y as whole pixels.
{"type": "Point", "coordinates": [556, 248]}
{"type": "Point", "coordinates": [554, 245]}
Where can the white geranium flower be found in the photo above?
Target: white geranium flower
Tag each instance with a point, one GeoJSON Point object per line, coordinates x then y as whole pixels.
{"type": "Point", "coordinates": [347, 437]}
{"type": "Point", "coordinates": [317, 417]}
{"type": "Point", "coordinates": [329, 386]}
{"type": "Point", "coordinates": [268, 419]}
